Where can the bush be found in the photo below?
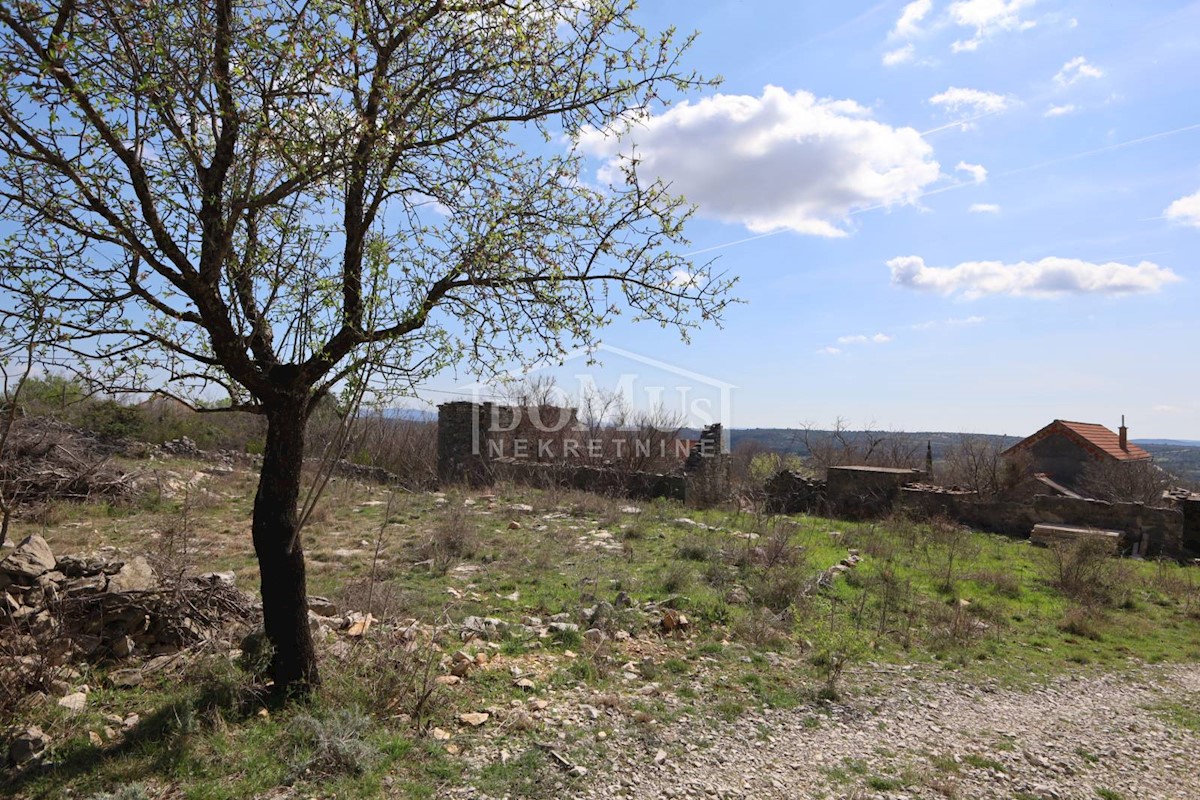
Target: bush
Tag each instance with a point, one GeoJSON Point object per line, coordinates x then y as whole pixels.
{"type": "Point", "coordinates": [111, 420]}
{"type": "Point", "coordinates": [331, 745]}
{"type": "Point", "coordinates": [1086, 571]}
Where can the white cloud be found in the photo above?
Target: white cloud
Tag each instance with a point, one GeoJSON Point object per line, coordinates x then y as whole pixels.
{"type": "Point", "coordinates": [879, 338]}
{"type": "Point", "coordinates": [782, 161]}
{"type": "Point", "coordinates": [909, 23]}
{"type": "Point", "coordinates": [974, 101]}
{"type": "Point", "coordinates": [1076, 70]}
{"type": "Point", "coordinates": [900, 55]}
{"type": "Point", "coordinates": [983, 208]}
{"type": "Point", "coordinates": [1168, 409]}
{"type": "Point", "coordinates": [987, 17]}
{"type": "Point", "coordinates": [1185, 210]}
{"type": "Point", "coordinates": [1048, 277]}
{"type": "Point", "coordinates": [1060, 111]}
{"type": "Point", "coordinates": [952, 322]}
{"type": "Point", "coordinates": [978, 172]}
{"type": "Point", "coordinates": [830, 351]}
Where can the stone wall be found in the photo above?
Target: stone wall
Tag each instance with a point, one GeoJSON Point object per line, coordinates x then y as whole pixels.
{"type": "Point", "coordinates": [791, 492]}
{"type": "Point", "coordinates": [462, 443]}
{"type": "Point", "coordinates": [1156, 531]}
{"type": "Point", "coordinates": [1159, 529]}
{"type": "Point", "coordinates": [638, 485]}
{"type": "Point", "coordinates": [474, 447]}
{"type": "Point", "coordinates": [858, 492]}
{"type": "Point", "coordinates": [707, 469]}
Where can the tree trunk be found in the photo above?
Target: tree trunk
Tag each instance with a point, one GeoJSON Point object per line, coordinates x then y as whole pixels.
{"type": "Point", "coordinates": [280, 555]}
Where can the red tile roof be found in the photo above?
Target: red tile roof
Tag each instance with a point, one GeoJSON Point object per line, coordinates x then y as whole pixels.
{"type": "Point", "coordinates": [1096, 438]}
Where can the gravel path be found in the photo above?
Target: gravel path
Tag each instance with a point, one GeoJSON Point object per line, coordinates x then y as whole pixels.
{"type": "Point", "coordinates": [1100, 736]}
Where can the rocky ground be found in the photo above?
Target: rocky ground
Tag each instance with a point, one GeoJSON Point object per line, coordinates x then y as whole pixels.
{"type": "Point", "coordinates": [1100, 736]}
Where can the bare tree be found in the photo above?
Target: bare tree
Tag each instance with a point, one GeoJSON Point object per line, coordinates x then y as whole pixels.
{"type": "Point", "coordinates": [271, 199]}
{"type": "Point", "coordinates": [1125, 481]}
{"type": "Point", "coordinates": [842, 446]}
{"type": "Point", "coordinates": [976, 462]}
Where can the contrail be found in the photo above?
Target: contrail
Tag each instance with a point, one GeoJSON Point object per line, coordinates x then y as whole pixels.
{"type": "Point", "coordinates": [1019, 170]}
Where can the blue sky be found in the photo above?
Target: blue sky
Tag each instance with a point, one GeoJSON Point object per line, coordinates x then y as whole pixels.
{"type": "Point", "coordinates": [970, 215]}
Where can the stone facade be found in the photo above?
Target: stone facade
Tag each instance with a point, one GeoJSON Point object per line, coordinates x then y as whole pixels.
{"type": "Point", "coordinates": [858, 492]}
{"type": "Point", "coordinates": [462, 443]}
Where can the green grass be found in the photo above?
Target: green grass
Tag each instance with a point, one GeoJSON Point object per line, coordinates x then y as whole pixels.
{"type": "Point", "coordinates": [902, 605]}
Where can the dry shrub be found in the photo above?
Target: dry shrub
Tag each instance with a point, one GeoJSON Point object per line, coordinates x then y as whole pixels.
{"type": "Point", "coordinates": [333, 743]}
{"type": "Point", "coordinates": [762, 628]}
{"type": "Point", "coordinates": [1082, 621]}
{"type": "Point", "coordinates": [780, 587]}
{"type": "Point", "coordinates": [1086, 571]}
{"type": "Point", "coordinates": [454, 537]}
{"type": "Point", "coordinates": [398, 669]}
{"type": "Point", "coordinates": [407, 448]}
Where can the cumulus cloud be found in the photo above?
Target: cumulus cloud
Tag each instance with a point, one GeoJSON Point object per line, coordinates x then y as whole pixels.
{"type": "Point", "coordinates": [957, 100]}
{"type": "Point", "coordinates": [900, 55]}
{"type": "Point", "coordinates": [909, 23]}
{"type": "Point", "coordinates": [1060, 111]}
{"type": "Point", "coordinates": [978, 172]}
{"type": "Point", "coordinates": [983, 208]}
{"type": "Point", "coordinates": [1076, 70]}
{"type": "Point", "coordinates": [987, 17]}
{"type": "Point", "coordinates": [1049, 277]}
{"type": "Point", "coordinates": [1185, 210]}
{"type": "Point", "coordinates": [782, 161]}
{"type": "Point", "coordinates": [879, 338]}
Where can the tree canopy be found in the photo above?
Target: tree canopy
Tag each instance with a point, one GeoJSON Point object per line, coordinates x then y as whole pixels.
{"type": "Point", "coordinates": [267, 196]}
{"type": "Point", "coordinates": [219, 189]}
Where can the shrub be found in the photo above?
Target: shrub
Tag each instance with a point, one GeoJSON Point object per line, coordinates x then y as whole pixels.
{"type": "Point", "coordinates": [1086, 571]}
{"type": "Point", "coordinates": [331, 745]}
{"type": "Point", "coordinates": [454, 537]}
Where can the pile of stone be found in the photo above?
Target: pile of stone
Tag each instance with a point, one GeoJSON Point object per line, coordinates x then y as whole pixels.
{"type": "Point", "coordinates": [77, 608]}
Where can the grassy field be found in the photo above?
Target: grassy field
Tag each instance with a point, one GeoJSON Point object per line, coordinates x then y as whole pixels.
{"type": "Point", "coordinates": [719, 610]}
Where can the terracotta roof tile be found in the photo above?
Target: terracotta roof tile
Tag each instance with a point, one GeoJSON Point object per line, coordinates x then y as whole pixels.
{"type": "Point", "coordinates": [1106, 440]}
{"type": "Point", "coordinates": [1096, 438]}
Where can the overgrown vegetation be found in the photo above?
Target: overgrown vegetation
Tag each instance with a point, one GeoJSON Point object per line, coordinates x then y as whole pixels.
{"type": "Point", "coordinates": [757, 617]}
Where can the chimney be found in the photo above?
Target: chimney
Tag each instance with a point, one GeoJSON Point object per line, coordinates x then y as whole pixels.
{"type": "Point", "coordinates": [1124, 434]}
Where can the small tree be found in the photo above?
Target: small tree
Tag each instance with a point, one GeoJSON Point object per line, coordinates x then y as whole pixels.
{"type": "Point", "coordinates": [276, 199]}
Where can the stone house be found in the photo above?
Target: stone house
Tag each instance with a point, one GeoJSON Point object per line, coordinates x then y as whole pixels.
{"type": "Point", "coordinates": [1063, 449]}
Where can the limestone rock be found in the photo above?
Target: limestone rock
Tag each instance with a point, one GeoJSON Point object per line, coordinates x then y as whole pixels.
{"type": "Point", "coordinates": [136, 575]}
{"type": "Point", "coordinates": [474, 718]}
{"type": "Point", "coordinates": [32, 558]}
{"type": "Point", "coordinates": [74, 702]}
{"type": "Point", "coordinates": [322, 606]}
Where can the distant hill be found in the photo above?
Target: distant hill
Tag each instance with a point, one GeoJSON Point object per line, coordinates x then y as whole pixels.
{"type": "Point", "coordinates": [1171, 442]}
{"type": "Point", "coordinates": [1180, 457]}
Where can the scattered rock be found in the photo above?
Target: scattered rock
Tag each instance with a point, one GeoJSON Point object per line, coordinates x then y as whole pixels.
{"type": "Point", "coordinates": [74, 703]}
{"type": "Point", "coordinates": [32, 558]}
{"type": "Point", "coordinates": [474, 718]}
{"type": "Point", "coordinates": [136, 575]}
{"type": "Point", "coordinates": [27, 745]}
{"type": "Point", "coordinates": [322, 606]}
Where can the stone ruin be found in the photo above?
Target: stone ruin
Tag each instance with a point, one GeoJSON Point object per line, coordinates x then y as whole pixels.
{"type": "Point", "coordinates": [857, 492]}
{"type": "Point", "coordinates": [478, 444]}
